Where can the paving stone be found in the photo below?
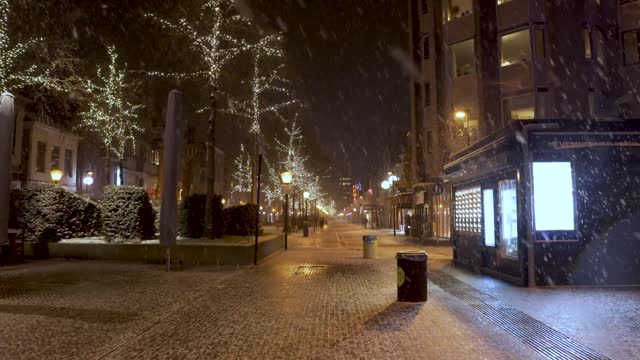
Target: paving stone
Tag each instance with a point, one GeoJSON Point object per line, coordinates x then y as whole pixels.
{"type": "Point", "coordinates": [319, 300]}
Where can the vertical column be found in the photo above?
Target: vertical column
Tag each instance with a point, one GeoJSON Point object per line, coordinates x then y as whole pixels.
{"type": "Point", "coordinates": [7, 114]}
{"type": "Point", "coordinates": [171, 156]}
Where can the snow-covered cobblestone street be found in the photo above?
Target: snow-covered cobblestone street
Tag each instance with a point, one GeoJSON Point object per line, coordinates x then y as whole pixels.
{"type": "Point", "coordinates": [319, 300]}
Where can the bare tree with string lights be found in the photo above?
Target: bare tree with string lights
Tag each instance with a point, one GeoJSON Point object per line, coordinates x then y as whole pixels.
{"type": "Point", "coordinates": [110, 115]}
{"type": "Point", "coordinates": [262, 82]}
{"type": "Point", "coordinates": [241, 177]}
{"type": "Point", "coordinates": [210, 37]}
{"type": "Point", "coordinates": [13, 76]}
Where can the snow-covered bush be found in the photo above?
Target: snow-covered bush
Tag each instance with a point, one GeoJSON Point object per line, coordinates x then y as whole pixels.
{"type": "Point", "coordinates": [191, 215]}
{"type": "Point", "coordinates": [240, 220]}
{"type": "Point", "coordinates": [127, 214]}
{"type": "Point", "coordinates": [156, 210]}
{"type": "Point", "coordinates": [47, 208]}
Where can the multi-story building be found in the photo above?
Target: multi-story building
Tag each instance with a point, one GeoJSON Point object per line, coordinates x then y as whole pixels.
{"type": "Point", "coordinates": [346, 192]}
{"type": "Point", "coordinates": [38, 148]}
{"type": "Point", "coordinates": [533, 104]}
{"type": "Point", "coordinates": [428, 138]}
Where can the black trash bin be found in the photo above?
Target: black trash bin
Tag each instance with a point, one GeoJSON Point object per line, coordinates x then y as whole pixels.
{"type": "Point", "coordinates": [412, 276]}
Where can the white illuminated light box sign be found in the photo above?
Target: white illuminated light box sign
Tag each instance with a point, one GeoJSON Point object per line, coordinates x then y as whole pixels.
{"type": "Point", "coordinates": [489, 218]}
{"type": "Point", "coordinates": [553, 196]}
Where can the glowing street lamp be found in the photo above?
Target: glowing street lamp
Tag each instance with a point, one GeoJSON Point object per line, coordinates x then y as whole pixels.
{"type": "Point", "coordinates": [306, 194]}
{"type": "Point", "coordinates": [286, 178]}
{"type": "Point", "coordinates": [385, 185]}
{"type": "Point", "coordinates": [460, 115]}
{"type": "Point", "coordinates": [88, 180]}
{"type": "Point", "coordinates": [56, 175]}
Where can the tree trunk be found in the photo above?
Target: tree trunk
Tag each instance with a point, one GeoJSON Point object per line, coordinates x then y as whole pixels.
{"type": "Point", "coordinates": [187, 176]}
{"type": "Point", "coordinates": [254, 173]}
{"type": "Point", "coordinates": [211, 167]}
{"type": "Point", "coordinates": [121, 165]}
{"type": "Point", "coordinates": [108, 168]}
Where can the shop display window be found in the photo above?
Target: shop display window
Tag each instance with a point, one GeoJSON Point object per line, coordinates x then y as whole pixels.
{"type": "Point", "coordinates": [468, 210]}
{"type": "Point", "coordinates": [508, 217]}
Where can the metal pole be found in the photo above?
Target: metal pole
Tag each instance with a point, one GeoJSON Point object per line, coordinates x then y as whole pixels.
{"type": "Point", "coordinates": [255, 252]}
{"type": "Point", "coordinates": [293, 209]}
{"type": "Point", "coordinates": [286, 217]}
{"type": "Point", "coordinates": [211, 164]}
{"type": "Point", "coordinates": [305, 224]}
{"type": "Point", "coordinates": [395, 218]}
{"type": "Point", "coordinates": [171, 158]}
{"type": "Point", "coordinates": [7, 117]}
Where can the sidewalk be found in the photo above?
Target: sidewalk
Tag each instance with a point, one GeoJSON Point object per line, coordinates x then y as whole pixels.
{"type": "Point", "coordinates": [605, 318]}
{"type": "Point", "coordinates": [318, 300]}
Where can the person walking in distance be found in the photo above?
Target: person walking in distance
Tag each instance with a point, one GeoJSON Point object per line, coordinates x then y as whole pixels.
{"type": "Point", "coordinates": [364, 222]}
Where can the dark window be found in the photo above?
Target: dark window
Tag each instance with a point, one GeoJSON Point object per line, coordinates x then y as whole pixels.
{"type": "Point", "coordinates": [425, 6]}
{"type": "Point", "coordinates": [55, 157]}
{"type": "Point", "coordinates": [587, 43]}
{"type": "Point", "coordinates": [631, 45]}
{"type": "Point", "coordinates": [155, 157]}
{"type": "Point", "coordinates": [539, 40]}
{"type": "Point", "coordinates": [68, 162]}
{"type": "Point", "coordinates": [425, 47]}
{"type": "Point", "coordinates": [42, 151]}
{"type": "Point", "coordinates": [427, 94]}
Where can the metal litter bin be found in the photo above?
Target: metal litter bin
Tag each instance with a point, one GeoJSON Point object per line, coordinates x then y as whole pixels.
{"type": "Point", "coordinates": [412, 276]}
{"type": "Point", "coordinates": [370, 246]}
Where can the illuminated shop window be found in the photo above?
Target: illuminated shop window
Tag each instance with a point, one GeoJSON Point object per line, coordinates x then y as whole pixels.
{"type": "Point", "coordinates": [508, 218]}
{"type": "Point", "coordinates": [468, 210]}
{"type": "Point", "coordinates": [489, 218]}
{"type": "Point", "coordinates": [553, 196]}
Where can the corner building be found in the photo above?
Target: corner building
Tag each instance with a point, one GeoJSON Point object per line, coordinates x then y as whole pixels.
{"type": "Point", "coordinates": [525, 116]}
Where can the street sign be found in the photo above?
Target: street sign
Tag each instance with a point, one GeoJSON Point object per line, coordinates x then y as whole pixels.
{"type": "Point", "coordinates": [401, 184]}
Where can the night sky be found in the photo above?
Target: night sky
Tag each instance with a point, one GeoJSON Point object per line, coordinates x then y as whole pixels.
{"type": "Point", "coordinates": [357, 94]}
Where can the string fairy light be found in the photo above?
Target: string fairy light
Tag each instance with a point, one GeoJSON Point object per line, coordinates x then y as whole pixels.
{"type": "Point", "coordinates": [110, 115]}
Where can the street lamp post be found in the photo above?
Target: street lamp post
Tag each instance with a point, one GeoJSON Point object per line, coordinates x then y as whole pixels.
{"type": "Point", "coordinates": [87, 181]}
{"type": "Point", "coordinates": [286, 178]}
{"type": "Point", "coordinates": [305, 230]}
{"type": "Point", "coordinates": [386, 184]}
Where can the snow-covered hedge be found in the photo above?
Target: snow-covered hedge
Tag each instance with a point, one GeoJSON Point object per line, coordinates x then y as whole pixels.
{"type": "Point", "coordinates": [47, 208]}
{"type": "Point", "coordinates": [191, 216]}
{"type": "Point", "coordinates": [127, 214]}
{"type": "Point", "coordinates": [240, 220]}
{"type": "Point", "coordinates": [156, 210]}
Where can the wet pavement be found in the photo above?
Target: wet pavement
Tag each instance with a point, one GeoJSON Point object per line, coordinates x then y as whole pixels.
{"type": "Point", "coordinates": [319, 300]}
